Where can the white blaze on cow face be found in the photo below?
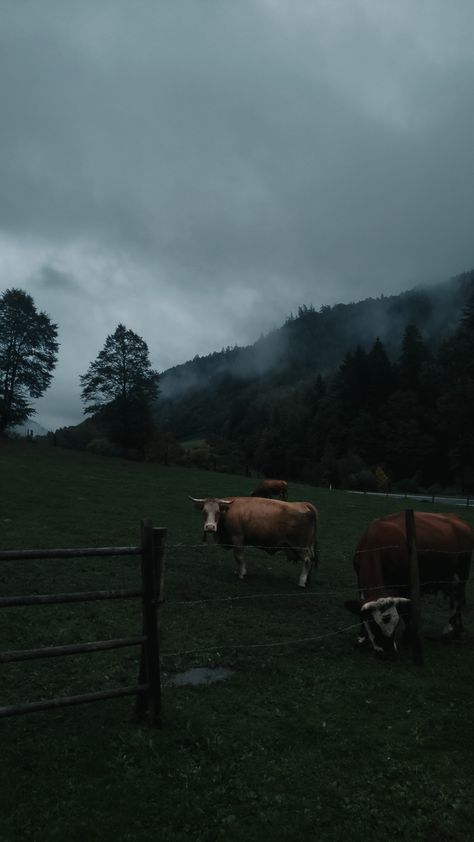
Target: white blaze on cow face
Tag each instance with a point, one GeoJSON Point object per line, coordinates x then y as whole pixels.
{"type": "Point", "coordinates": [384, 613]}
{"type": "Point", "coordinates": [211, 510]}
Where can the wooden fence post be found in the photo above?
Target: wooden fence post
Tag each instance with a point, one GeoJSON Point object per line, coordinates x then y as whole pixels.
{"type": "Point", "coordinates": [417, 643]}
{"type": "Point", "coordinates": [153, 543]}
{"type": "Point", "coordinates": [159, 540]}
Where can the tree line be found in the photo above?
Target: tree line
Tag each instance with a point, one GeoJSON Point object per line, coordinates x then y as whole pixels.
{"type": "Point", "coordinates": [401, 417]}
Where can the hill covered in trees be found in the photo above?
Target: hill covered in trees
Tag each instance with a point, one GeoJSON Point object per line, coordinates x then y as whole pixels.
{"type": "Point", "coordinates": [360, 394]}
{"type": "Point", "coordinates": [367, 395]}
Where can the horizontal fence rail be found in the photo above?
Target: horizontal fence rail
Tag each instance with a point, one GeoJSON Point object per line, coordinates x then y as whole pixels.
{"type": "Point", "coordinates": [60, 598]}
{"type": "Point", "coordinates": [67, 552]}
{"type": "Point", "coordinates": [67, 701]}
{"type": "Point", "coordinates": [148, 689]}
{"type": "Point", "coordinates": [69, 649]}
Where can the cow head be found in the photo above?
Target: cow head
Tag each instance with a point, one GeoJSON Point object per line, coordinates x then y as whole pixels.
{"type": "Point", "coordinates": [381, 618]}
{"type": "Point", "coordinates": [212, 510]}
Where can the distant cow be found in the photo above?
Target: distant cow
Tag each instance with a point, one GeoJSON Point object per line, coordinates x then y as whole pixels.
{"type": "Point", "coordinates": [272, 488]}
{"type": "Point", "coordinates": [444, 547]}
{"type": "Point", "coordinates": [271, 525]}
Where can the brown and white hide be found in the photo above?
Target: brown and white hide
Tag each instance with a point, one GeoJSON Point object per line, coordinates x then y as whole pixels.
{"type": "Point", "coordinates": [444, 545]}
{"type": "Point", "coordinates": [271, 525]}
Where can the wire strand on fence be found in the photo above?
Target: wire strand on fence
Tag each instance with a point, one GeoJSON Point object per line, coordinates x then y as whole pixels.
{"type": "Point", "coordinates": [217, 545]}
{"type": "Point", "coordinates": [260, 645]}
{"type": "Point", "coordinates": [296, 595]}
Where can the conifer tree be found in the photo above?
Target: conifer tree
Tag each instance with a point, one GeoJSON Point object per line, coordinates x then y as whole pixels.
{"type": "Point", "coordinates": [120, 386]}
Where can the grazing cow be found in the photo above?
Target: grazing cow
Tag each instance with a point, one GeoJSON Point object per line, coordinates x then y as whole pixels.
{"type": "Point", "coordinates": [444, 547]}
{"type": "Point", "coordinates": [271, 525]}
{"type": "Point", "coordinates": [272, 488]}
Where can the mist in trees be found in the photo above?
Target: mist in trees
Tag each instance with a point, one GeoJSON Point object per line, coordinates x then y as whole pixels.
{"type": "Point", "coordinates": [390, 414]}
{"type": "Point", "coordinates": [403, 420]}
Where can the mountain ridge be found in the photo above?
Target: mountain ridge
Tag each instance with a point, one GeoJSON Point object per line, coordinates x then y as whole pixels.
{"type": "Point", "coordinates": [310, 343]}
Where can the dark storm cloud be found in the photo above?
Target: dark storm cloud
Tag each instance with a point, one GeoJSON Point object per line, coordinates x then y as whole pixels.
{"type": "Point", "coordinates": [199, 169]}
{"type": "Point", "coordinates": [53, 280]}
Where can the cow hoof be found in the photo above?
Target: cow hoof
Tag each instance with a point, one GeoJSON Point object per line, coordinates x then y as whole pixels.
{"type": "Point", "coordinates": [361, 643]}
{"type": "Point", "coordinates": [449, 633]}
{"type": "Point", "coordinates": [385, 654]}
{"type": "Point", "coordinates": [449, 636]}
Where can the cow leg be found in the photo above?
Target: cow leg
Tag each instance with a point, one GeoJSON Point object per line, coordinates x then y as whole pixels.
{"type": "Point", "coordinates": [239, 557]}
{"type": "Point", "coordinates": [456, 622]}
{"type": "Point", "coordinates": [316, 554]}
{"type": "Point", "coordinates": [375, 646]}
{"type": "Point", "coordinates": [306, 569]}
{"type": "Point", "coordinates": [455, 627]}
{"type": "Point", "coordinates": [363, 639]}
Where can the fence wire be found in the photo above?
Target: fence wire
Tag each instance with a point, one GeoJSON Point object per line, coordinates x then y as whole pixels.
{"type": "Point", "coordinates": [217, 545]}
{"type": "Point", "coordinates": [260, 645]}
{"type": "Point", "coordinates": [305, 594]}
{"type": "Point", "coordinates": [341, 592]}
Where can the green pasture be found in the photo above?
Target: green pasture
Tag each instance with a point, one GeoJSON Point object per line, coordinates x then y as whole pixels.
{"type": "Point", "coordinates": [309, 739]}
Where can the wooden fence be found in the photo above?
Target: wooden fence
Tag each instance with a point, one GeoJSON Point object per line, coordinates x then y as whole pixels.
{"type": "Point", "coordinates": [148, 688]}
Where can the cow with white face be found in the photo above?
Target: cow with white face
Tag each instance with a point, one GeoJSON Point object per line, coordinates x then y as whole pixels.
{"type": "Point", "coordinates": [381, 619]}
{"type": "Point", "coordinates": [444, 548]}
{"type": "Point", "coordinates": [271, 525]}
{"type": "Point", "coordinates": [212, 510]}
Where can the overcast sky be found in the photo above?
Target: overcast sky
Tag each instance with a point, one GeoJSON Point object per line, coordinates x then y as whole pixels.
{"type": "Point", "coordinates": [197, 169]}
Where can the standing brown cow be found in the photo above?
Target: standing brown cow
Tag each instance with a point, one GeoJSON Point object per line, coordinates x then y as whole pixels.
{"type": "Point", "coordinates": [272, 488]}
{"type": "Point", "coordinates": [271, 525]}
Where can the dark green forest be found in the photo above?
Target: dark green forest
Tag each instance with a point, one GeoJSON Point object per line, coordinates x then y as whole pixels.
{"type": "Point", "coordinates": [371, 395]}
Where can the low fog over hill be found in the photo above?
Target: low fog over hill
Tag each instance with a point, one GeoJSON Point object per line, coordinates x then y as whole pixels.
{"type": "Point", "coordinates": [361, 395]}
{"type": "Point", "coordinates": [317, 341]}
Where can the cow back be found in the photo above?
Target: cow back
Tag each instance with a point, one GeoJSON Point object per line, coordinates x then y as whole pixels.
{"type": "Point", "coordinates": [444, 545]}
{"type": "Point", "coordinates": [268, 523]}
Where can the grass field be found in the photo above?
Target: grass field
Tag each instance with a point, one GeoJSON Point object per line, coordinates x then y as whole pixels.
{"type": "Point", "coordinates": [308, 740]}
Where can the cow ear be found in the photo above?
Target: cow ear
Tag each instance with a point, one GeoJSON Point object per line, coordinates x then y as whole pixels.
{"type": "Point", "coordinates": [353, 606]}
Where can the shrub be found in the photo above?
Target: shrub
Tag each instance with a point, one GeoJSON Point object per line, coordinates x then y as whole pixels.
{"type": "Point", "coordinates": [363, 481]}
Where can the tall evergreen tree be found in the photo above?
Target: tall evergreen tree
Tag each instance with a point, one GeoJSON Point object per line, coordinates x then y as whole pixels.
{"type": "Point", "coordinates": [456, 401]}
{"type": "Point", "coordinates": [28, 353]}
{"type": "Point", "coordinates": [120, 386]}
{"type": "Point", "coordinates": [413, 356]}
{"type": "Point", "coordinates": [351, 382]}
{"type": "Point", "coordinates": [380, 375]}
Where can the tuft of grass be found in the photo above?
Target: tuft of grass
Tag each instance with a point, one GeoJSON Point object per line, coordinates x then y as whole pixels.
{"type": "Point", "coordinates": [306, 740]}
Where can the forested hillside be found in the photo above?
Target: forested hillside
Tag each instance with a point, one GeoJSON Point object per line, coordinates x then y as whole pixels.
{"type": "Point", "coordinates": [360, 394]}
{"type": "Point", "coordinates": [368, 395]}
{"type": "Point", "coordinates": [318, 339]}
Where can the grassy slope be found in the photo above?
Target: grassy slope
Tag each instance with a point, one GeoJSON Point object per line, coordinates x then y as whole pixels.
{"type": "Point", "coordinates": [305, 741]}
